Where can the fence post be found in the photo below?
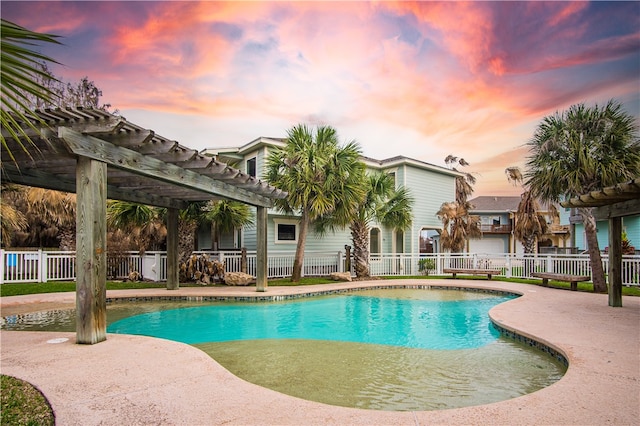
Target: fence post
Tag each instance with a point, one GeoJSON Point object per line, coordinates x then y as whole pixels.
{"type": "Point", "coordinates": [509, 266]}
{"type": "Point", "coordinates": [2, 263]}
{"type": "Point", "coordinates": [42, 266]}
{"type": "Point", "coordinates": [341, 264]}
{"type": "Point", "coordinates": [549, 264]}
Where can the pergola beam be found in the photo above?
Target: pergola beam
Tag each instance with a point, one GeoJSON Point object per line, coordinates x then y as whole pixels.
{"type": "Point", "coordinates": [126, 159]}
{"type": "Point", "coordinates": [612, 203]}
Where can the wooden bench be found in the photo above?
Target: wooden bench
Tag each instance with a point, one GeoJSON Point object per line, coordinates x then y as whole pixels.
{"type": "Point", "coordinates": [573, 279]}
{"type": "Point", "coordinates": [487, 272]}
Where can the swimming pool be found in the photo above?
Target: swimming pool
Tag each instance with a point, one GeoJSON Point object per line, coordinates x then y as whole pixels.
{"type": "Point", "coordinates": [382, 349]}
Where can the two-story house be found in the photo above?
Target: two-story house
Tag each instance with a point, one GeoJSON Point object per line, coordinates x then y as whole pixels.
{"type": "Point", "coordinates": [428, 184]}
{"type": "Point", "coordinates": [497, 223]}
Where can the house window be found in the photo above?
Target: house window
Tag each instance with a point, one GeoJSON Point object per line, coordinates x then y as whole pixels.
{"type": "Point", "coordinates": [286, 232]}
{"type": "Point", "coordinates": [399, 242]}
{"type": "Point", "coordinates": [251, 167]}
{"type": "Point", "coordinates": [374, 241]}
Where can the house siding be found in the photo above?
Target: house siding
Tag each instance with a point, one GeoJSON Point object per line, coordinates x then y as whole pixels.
{"type": "Point", "coordinates": [428, 185]}
{"type": "Point", "coordinates": [630, 224]}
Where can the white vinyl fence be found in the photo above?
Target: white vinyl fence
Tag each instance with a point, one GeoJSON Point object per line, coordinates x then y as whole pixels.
{"type": "Point", "coordinates": [43, 266]}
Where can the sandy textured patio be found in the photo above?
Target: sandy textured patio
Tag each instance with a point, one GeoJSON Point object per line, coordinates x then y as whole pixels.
{"type": "Point", "coordinates": [141, 380]}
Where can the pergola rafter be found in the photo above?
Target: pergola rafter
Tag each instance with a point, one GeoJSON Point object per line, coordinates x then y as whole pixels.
{"type": "Point", "coordinates": [102, 156]}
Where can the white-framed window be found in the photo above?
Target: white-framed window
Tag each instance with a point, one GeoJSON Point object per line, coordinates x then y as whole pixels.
{"type": "Point", "coordinates": [251, 166]}
{"type": "Point", "coordinates": [286, 231]}
{"type": "Point", "coordinates": [375, 241]}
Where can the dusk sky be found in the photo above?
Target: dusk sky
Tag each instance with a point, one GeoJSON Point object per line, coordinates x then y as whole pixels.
{"type": "Point", "coordinates": [418, 79]}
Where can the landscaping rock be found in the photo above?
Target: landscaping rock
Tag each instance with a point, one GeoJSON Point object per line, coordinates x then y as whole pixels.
{"type": "Point", "coordinates": [341, 276]}
{"type": "Point", "coordinates": [238, 278]}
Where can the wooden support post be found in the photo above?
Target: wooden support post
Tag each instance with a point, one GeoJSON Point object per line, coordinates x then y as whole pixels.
{"type": "Point", "coordinates": [173, 276]}
{"type": "Point", "coordinates": [91, 251]}
{"type": "Point", "coordinates": [615, 262]}
{"type": "Point", "coordinates": [261, 252]}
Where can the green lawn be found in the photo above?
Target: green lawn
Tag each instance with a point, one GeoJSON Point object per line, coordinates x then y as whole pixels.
{"type": "Point", "coordinates": [15, 289]}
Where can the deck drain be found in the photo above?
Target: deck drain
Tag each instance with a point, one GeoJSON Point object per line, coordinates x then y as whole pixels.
{"type": "Point", "coordinates": [58, 340]}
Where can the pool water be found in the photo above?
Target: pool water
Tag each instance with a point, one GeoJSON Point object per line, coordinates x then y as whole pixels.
{"type": "Point", "coordinates": [396, 349]}
{"type": "Point", "coordinates": [419, 319]}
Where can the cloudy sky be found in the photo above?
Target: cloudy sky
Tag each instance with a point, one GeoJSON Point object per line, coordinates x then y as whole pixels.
{"type": "Point", "coordinates": [419, 79]}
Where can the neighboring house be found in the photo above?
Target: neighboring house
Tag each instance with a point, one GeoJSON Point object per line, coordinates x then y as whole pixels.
{"type": "Point", "coordinates": [428, 185]}
{"type": "Point", "coordinates": [630, 225]}
{"type": "Point", "coordinates": [497, 222]}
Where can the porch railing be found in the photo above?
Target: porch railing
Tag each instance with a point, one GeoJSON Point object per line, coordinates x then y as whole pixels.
{"type": "Point", "coordinates": [42, 266]}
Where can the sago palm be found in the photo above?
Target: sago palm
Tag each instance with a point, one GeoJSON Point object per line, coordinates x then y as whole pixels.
{"type": "Point", "coordinates": [321, 178]}
{"type": "Point", "coordinates": [581, 150]}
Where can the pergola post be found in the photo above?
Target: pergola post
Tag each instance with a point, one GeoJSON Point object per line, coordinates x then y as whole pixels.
{"type": "Point", "coordinates": [261, 249]}
{"type": "Point", "coordinates": [173, 278]}
{"type": "Point", "coordinates": [91, 251]}
{"type": "Point", "coordinates": [615, 261]}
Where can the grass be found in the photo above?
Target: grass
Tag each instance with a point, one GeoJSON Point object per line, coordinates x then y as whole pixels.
{"type": "Point", "coordinates": [23, 404]}
{"type": "Point", "coordinates": [16, 289]}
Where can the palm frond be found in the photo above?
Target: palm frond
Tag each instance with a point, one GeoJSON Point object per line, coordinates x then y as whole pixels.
{"type": "Point", "coordinates": [19, 73]}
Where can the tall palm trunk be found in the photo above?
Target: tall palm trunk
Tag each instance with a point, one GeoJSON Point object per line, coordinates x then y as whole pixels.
{"type": "Point", "coordinates": [186, 239]}
{"type": "Point", "coordinates": [360, 238]}
{"type": "Point", "coordinates": [296, 275]}
{"type": "Point", "coordinates": [529, 245]}
{"type": "Point", "coordinates": [597, 270]}
{"type": "Point", "coordinates": [529, 248]}
{"type": "Point", "coordinates": [67, 237]}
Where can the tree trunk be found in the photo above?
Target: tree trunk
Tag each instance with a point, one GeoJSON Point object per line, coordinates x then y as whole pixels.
{"type": "Point", "coordinates": [360, 238]}
{"type": "Point", "coordinates": [186, 239]}
{"type": "Point", "coordinates": [67, 237]}
{"type": "Point", "coordinates": [597, 270]}
{"type": "Point", "coordinates": [302, 237]}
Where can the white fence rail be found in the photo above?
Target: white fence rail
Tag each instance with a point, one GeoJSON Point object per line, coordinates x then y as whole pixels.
{"type": "Point", "coordinates": [43, 266]}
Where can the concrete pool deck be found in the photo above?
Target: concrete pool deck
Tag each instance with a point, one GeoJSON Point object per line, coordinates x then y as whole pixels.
{"type": "Point", "coordinates": [140, 380]}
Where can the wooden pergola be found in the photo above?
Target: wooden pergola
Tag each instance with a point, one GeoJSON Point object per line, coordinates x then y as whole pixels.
{"type": "Point", "coordinates": [101, 156]}
{"type": "Point", "coordinates": [612, 203]}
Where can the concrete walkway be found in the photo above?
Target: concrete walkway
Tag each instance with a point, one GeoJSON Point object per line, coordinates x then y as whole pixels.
{"type": "Point", "coordinates": [133, 380]}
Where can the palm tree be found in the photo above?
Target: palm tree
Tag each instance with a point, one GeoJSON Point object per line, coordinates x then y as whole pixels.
{"type": "Point", "coordinates": [581, 150]}
{"type": "Point", "coordinates": [457, 224]}
{"type": "Point", "coordinates": [21, 77]}
{"type": "Point", "coordinates": [144, 225]}
{"type": "Point", "coordinates": [530, 224]}
{"type": "Point", "coordinates": [384, 204]}
{"type": "Point", "coordinates": [226, 216]}
{"type": "Point", "coordinates": [49, 217]}
{"type": "Point", "coordinates": [188, 221]}
{"type": "Point", "coordinates": [12, 220]}
{"type": "Point", "coordinates": [321, 177]}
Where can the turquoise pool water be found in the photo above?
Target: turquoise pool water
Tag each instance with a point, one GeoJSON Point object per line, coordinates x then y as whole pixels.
{"type": "Point", "coordinates": [417, 322]}
{"type": "Point", "coordinates": [385, 349]}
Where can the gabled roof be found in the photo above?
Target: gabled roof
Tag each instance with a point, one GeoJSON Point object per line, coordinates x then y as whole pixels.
{"type": "Point", "coordinates": [142, 167]}
{"type": "Point", "coordinates": [237, 153]}
{"type": "Point", "coordinates": [495, 204]}
{"type": "Point", "coordinates": [500, 204]}
{"type": "Point", "coordinates": [401, 160]}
